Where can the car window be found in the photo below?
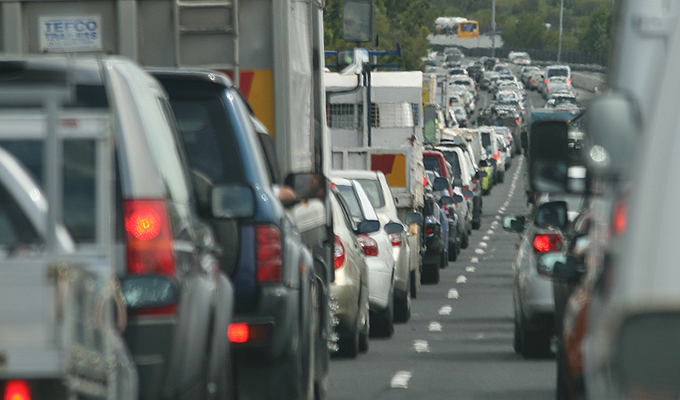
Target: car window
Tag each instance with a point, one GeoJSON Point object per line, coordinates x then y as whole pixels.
{"type": "Point", "coordinates": [352, 202]}
{"type": "Point", "coordinates": [452, 158]}
{"type": "Point", "coordinates": [208, 137]}
{"type": "Point", "coordinates": [431, 164]}
{"type": "Point", "coordinates": [374, 192]}
{"type": "Point", "coordinates": [79, 185]}
{"type": "Point", "coordinates": [17, 234]}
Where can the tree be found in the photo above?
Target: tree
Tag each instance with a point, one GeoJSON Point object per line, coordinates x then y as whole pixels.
{"type": "Point", "coordinates": [596, 38]}
{"type": "Point", "coordinates": [527, 32]}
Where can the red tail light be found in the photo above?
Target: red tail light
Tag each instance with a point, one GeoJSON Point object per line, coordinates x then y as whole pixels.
{"type": "Point", "coordinates": [395, 238]}
{"type": "Point", "coordinates": [517, 121]}
{"type": "Point", "coordinates": [547, 88]}
{"type": "Point", "coordinates": [429, 231]}
{"type": "Point", "coordinates": [545, 80]}
{"type": "Point", "coordinates": [17, 389]}
{"type": "Point", "coordinates": [238, 332]}
{"type": "Point", "coordinates": [148, 238]}
{"type": "Point", "coordinates": [546, 242]}
{"type": "Point", "coordinates": [268, 254]}
{"type": "Point", "coordinates": [338, 253]}
{"type": "Point", "coordinates": [466, 187]}
{"type": "Point", "coordinates": [369, 245]}
{"type": "Point", "coordinates": [620, 218]}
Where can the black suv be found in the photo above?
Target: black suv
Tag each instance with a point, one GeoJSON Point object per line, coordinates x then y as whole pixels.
{"type": "Point", "coordinates": [281, 320]}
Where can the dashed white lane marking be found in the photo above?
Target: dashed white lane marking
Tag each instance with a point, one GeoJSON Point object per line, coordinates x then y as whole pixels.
{"type": "Point", "coordinates": [479, 336]}
{"type": "Point", "coordinates": [469, 269]}
{"type": "Point", "coordinates": [479, 251]}
{"type": "Point", "coordinates": [485, 238]}
{"type": "Point", "coordinates": [461, 279]}
{"type": "Point", "coordinates": [494, 224]}
{"type": "Point", "coordinates": [434, 327]}
{"type": "Point", "coordinates": [483, 244]}
{"type": "Point", "coordinates": [489, 232]}
{"type": "Point", "coordinates": [474, 260]}
{"type": "Point", "coordinates": [502, 208]}
{"type": "Point", "coordinates": [497, 217]}
{"type": "Point", "coordinates": [446, 310]}
{"type": "Point", "coordinates": [453, 294]}
{"type": "Point", "coordinates": [421, 346]}
{"type": "Point", "coordinates": [400, 380]}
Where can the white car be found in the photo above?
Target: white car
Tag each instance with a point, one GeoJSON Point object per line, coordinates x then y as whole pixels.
{"type": "Point", "coordinates": [379, 258]}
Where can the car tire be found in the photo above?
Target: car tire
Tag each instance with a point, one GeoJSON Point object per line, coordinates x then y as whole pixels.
{"type": "Point", "coordinates": [476, 224]}
{"type": "Point", "coordinates": [500, 176]}
{"type": "Point", "coordinates": [517, 339]}
{"type": "Point", "coordinates": [430, 274]}
{"type": "Point", "coordinates": [465, 241]}
{"type": "Point", "coordinates": [443, 260]}
{"type": "Point", "coordinates": [348, 345]}
{"type": "Point", "coordinates": [562, 389]}
{"type": "Point", "coordinates": [402, 306]}
{"type": "Point", "coordinates": [382, 324]}
{"type": "Point", "coordinates": [453, 251]}
{"type": "Point", "coordinates": [535, 343]}
{"type": "Point", "coordinates": [364, 333]}
{"type": "Point", "coordinates": [413, 284]}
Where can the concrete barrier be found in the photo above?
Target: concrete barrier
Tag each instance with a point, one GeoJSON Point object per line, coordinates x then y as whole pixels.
{"type": "Point", "coordinates": [591, 82]}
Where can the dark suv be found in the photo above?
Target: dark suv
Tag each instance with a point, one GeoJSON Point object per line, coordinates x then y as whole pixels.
{"type": "Point", "coordinates": [280, 326]}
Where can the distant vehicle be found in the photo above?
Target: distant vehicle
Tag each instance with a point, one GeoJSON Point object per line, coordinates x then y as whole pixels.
{"type": "Point", "coordinates": [562, 100]}
{"type": "Point", "coordinates": [555, 70]}
{"type": "Point", "coordinates": [468, 29]}
{"type": "Point", "coordinates": [557, 84]}
{"type": "Point", "coordinates": [519, 58]}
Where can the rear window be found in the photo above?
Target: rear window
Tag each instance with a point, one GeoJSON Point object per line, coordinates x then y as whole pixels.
{"type": "Point", "coordinates": [79, 185]}
{"type": "Point", "coordinates": [432, 164]}
{"type": "Point", "coordinates": [374, 192]}
{"type": "Point", "coordinates": [557, 72]}
{"type": "Point", "coordinates": [452, 158]}
{"type": "Point", "coordinates": [17, 235]}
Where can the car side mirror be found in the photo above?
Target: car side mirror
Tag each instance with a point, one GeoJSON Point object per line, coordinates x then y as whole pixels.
{"type": "Point", "coordinates": [441, 183]}
{"type": "Point", "coordinates": [514, 223]}
{"type": "Point", "coordinates": [481, 174]}
{"type": "Point", "coordinates": [307, 185]}
{"type": "Point", "coordinates": [233, 201]}
{"type": "Point", "coordinates": [413, 218]}
{"type": "Point", "coordinates": [468, 193]}
{"type": "Point", "coordinates": [559, 266]}
{"type": "Point", "coordinates": [446, 200]}
{"type": "Point", "coordinates": [457, 198]}
{"type": "Point", "coordinates": [552, 214]}
{"type": "Point", "coordinates": [394, 228]}
{"type": "Point", "coordinates": [458, 182]}
{"type": "Point", "coordinates": [368, 226]}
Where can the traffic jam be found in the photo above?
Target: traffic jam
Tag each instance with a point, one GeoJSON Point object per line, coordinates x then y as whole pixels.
{"type": "Point", "coordinates": [179, 222]}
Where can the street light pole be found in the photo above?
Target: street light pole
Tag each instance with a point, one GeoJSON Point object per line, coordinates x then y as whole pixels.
{"type": "Point", "coordinates": [559, 45]}
{"type": "Point", "coordinates": [493, 28]}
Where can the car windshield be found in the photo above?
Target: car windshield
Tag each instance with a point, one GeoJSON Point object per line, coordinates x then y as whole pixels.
{"type": "Point", "coordinates": [352, 201]}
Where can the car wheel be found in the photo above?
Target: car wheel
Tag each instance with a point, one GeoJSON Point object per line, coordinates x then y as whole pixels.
{"type": "Point", "coordinates": [365, 332]}
{"type": "Point", "coordinates": [476, 224]}
{"type": "Point", "coordinates": [402, 306]}
{"type": "Point", "coordinates": [382, 324]}
{"type": "Point", "coordinates": [465, 241]}
{"type": "Point", "coordinates": [535, 343]}
{"type": "Point", "coordinates": [443, 260]}
{"type": "Point", "coordinates": [348, 345]}
{"type": "Point", "coordinates": [500, 176]}
{"type": "Point", "coordinates": [562, 390]}
{"type": "Point", "coordinates": [517, 339]}
{"type": "Point", "coordinates": [453, 252]}
{"type": "Point", "coordinates": [430, 273]}
{"type": "Point", "coordinates": [413, 284]}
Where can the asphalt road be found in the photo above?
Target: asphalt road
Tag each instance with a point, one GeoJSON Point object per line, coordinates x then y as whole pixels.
{"type": "Point", "coordinates": [458, 343]}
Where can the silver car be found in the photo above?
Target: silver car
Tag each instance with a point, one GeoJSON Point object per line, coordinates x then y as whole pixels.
{"type": "Point", "coordinates": [407, 270]}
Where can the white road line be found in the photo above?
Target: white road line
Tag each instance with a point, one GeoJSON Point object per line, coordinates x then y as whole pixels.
{"type": "Point", "coordinates": [434, 327]}
{"type": "Point", "coordinates": [446, 310]}
{"type": "Point", "coordinates": [400, 380]}
{"type": "Point", "coordinates": [469, 269]}
{"type": "Point", "coordinates": [421, 346]}
{"type": "Point", "coordinates": [453, 294]}
{"type": "Point", "coordinates": [489, 232]}
{"type": "Point", "coordinates": [483, 244]}
{"type": "Point", "coordinates": [497, 217]}
{"type": "Point", "coordinates": [479, 251]}
{"type": "Point", "coordinates": [461, 279]}
{"type": "Point", "coordinates": [474, 260]}
{"type": "Point", "coordinates": [485, 238]}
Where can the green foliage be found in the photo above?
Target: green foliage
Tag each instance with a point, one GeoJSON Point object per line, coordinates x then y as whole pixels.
{"type": "Point", "coordinates": [527, 32]}
{"type": "Point", "coordinates": [596, 38]}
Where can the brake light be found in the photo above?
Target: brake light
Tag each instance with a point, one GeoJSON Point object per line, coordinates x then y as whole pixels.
{"type": "Point", "coordinates": [395, 238]}
{"type": "Point", "coordinates": [547, 88]}
{"type": "Point", "coordinates": [338, 253]}
{"type": "Point", "coordinates": [17, 389]}
{"type": "Point", "coordinates": [424, 181]}
{"type": "Point", "coordinates": [517, 121]}
{"type": "Point", "coordinates": [429, 231]}
{"type": "Point", "coordinates": [149, 241]}
{"type": "Point", "coordinates": [545, 80]}
{"type": "Point", "coordinates": [238, 332]}
{"type": "Point", "coordinates": [620, 218]}
{"type": "Point", "coordinates": [466, 187]}
{"type": "Point", "coordinates": [546, 242]}
{"type": "Point", "coordinates": [268, 254]}
{"type": "Point", "coordinates": [249, 333]}
{"type": "Point", "coordinates": [369, 245]}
